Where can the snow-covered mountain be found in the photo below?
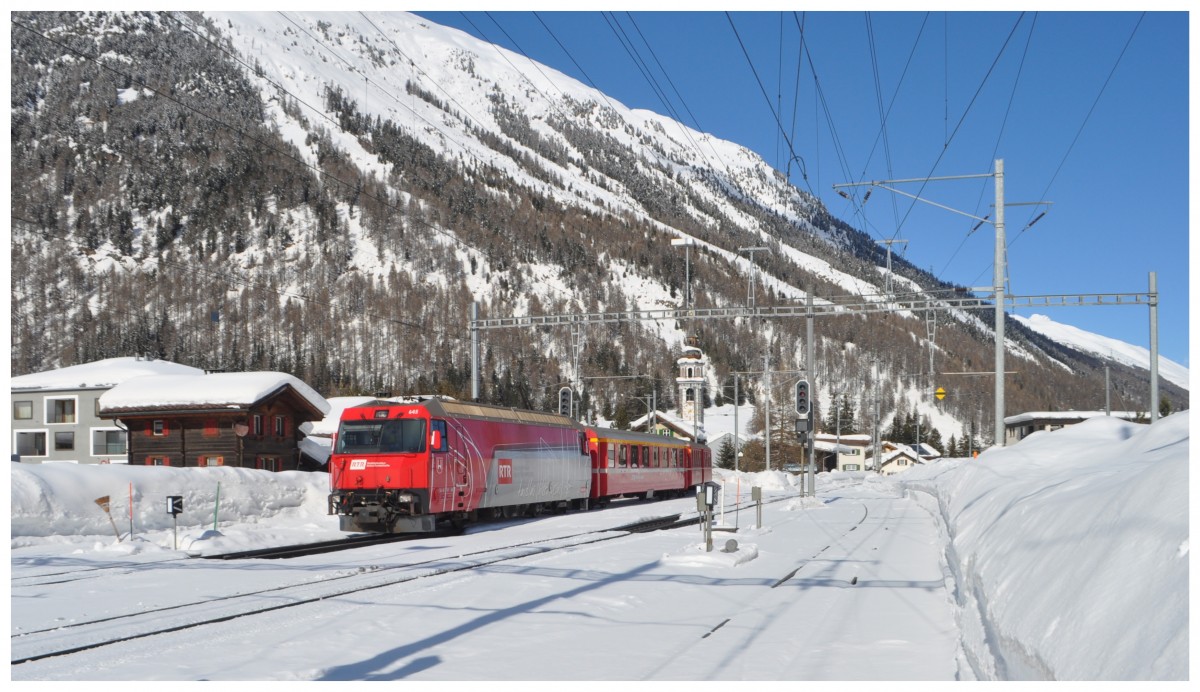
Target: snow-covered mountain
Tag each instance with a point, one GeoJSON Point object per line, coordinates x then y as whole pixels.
{"type": "Point", "coordinates": [1106, 347]}
{"type": "Point", "coordinates": [326, 194]}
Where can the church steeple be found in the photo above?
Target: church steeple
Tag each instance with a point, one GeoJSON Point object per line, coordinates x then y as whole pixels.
{"type": "Point", "coordinates": [692, 382]}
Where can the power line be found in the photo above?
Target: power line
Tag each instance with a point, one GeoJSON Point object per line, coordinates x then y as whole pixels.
{"type": "Point", "coordinates": [774, 114]}
{"type": "Point", "coordinates": [996, 148]}
{"type": "Point", "coordinates": [1078, 133]}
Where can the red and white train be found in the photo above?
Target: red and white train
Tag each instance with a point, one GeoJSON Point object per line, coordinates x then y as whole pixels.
{"type": "Point", "coordinates": [408, 467]}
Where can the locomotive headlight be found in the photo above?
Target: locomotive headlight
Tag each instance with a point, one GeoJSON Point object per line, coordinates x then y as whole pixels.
{"type": "Point", "coordinates": [405, 497]}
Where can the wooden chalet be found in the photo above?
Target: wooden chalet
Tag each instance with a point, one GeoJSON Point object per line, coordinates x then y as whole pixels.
{"type": "Point", "coordinates": [249, 420]}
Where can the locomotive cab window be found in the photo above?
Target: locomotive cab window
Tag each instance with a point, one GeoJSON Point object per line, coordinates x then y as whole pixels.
{"type": "Point", "coordinates": [382, 436]}
{"type": "Point", "coordinates": [437, 428]}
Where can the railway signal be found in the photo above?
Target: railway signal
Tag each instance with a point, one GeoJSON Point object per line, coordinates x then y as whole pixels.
{"type": "Point", "coordinates": [174, 507]}
{"type": "Point", "coordinates": [803, 407]}
{"type": "Point", "coordinates": [565, 401]}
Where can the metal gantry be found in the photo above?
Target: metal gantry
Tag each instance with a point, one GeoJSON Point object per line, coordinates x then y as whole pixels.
{"type": "Point", "coordinates": [841, 306]}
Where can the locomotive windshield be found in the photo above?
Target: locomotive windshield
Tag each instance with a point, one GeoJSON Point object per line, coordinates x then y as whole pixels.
{"type": "Point", "coordinates": [380, 437]}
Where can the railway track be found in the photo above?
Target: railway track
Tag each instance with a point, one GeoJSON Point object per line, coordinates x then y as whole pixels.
{"type": "Point", "coordinates": [64, 640]}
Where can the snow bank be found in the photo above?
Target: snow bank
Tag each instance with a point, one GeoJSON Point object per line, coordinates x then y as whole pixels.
{"type": "Point", "coordinates": [1070, 551]}
{"type": "Point", "coordinates": [59, 501]}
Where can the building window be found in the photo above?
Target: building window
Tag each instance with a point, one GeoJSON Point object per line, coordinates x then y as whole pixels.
{"type": "Point", "coordinates": [269, 464]}
{"type": "Point", "coordinates": [22, 410]}
{"type": "Point", "coordinates": [64, 442]}
{"type": "Point", "coordinates": [158, 461]}
{"type": "Point", "coordinates": [31, 443]}
{"type": "Point", "coordinates": [850, 467]}
{"type": "Point", "coordinates": [159, 428]}
{"type": "Point", "coordinates": [212, 461]}
{"type": "Point", "coordinates": [108, 443]}
{"type": "Point", "coordinates": [256, 425]}
{"type": "Point", "coordinates": [280, 426]}
{"type": "Point", "coordinates": [60, 411]}
{"type": "Point", "coordinates": [689, 394]}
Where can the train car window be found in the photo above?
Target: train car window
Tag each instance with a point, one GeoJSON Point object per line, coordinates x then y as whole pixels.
{"type": "Point", "coordinates": [439, 426]}
{"type": "Point", "coordinates": [583, 444]}
{"type": "Point", "coordinates": [612, 456]}
{"type": "Point", "coordinates": [382, 436]}
{"type": "Point", "coordinates": [633, 457]}
{"type": "Point", "coordinates": [623, 459]}
{"type": "Point", "coordinates": [645, 456]}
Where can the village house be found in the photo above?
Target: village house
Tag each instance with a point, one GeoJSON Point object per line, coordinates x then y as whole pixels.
{"type": "Point", "coordinates": [248, 419]}
{"type": "Point", "coordinates": [56, 413]}
{"type": "Point", "coordinates": [841, 452]}
{"type": "Point", "coordinates": [899, 459]}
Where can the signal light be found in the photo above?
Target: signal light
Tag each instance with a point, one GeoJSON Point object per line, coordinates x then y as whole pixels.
{"type": "Point", "coordinates": [803, 406]}
{"type": "Point", "coordinates": [565, 399]}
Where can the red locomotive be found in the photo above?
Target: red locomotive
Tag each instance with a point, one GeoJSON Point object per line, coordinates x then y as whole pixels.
{"type": "Point", "coordinates": [406, 467]}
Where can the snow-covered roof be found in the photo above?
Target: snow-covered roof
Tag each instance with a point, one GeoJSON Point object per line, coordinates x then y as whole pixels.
{"type": "Point", "coordinates": [823, 446]}
{"type": "Point", "coordinates": [683, 427]}
{"type": "Point", "coordinates": [234, 390]}
{"type": "Point", "coordinates": [327, 426]}
{"type": "Point", "coordinates": [856, 440]}
{"type": "Point", "coordinates": [889, 457]}
{"type": "Point", "coordinates": [925, 450]}
{"type": "Point", "coordinates": [100, 374]}
{"type": "Point", "coordinates": [1067, 416]}
{"type": "Point", "coordinates": [317, 448]}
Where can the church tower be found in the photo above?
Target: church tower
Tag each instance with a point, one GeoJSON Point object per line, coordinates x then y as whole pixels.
{"type": "Point", "coordinates": [692, 382]}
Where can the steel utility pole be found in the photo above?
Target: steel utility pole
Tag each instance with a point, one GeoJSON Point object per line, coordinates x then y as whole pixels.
{"type": "Point", "coordinates": [750, 290]}
{"type": "Point", "coordinates": [998, 296]}
{"type": "Point", "coordinates": [997, 288]}
{"type": "Point", "coordinates": [810, 366]}
{"type": "Point", "coordinates": [887, 285]}
{"type": "Point", "coordinates": [1153, 347]}
{"type": "Point", "coordinates": [767, 395]}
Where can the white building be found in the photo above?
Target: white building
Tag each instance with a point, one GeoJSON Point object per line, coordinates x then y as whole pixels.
{"type": "Point", "coordinates": [898, 460]}
{"type": "Point", "coordinates": [55, 414]}
{"type": "Point", "coordinates": [1018, 427]}
{"type": "Point", "coordinates": [850, 451]}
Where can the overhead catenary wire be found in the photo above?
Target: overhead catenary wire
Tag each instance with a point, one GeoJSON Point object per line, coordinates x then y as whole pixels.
{"type": "Point", "coordinates": [1075, 140]}
{"type": "Point", "coordinates": [774, 114]}
{"type": "Point", "coordinates": [996, 148]}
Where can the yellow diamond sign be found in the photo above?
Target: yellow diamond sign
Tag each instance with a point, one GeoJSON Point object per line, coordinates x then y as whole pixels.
{"type": "Point", "coordinates": [939, 393]}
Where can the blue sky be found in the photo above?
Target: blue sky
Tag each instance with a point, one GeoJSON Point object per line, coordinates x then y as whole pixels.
{"type": "Point", "coordinates": [1109, 147]}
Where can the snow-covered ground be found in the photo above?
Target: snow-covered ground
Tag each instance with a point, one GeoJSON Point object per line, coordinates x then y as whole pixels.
{"type": "Point", "coordinates": [1062, 557]}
